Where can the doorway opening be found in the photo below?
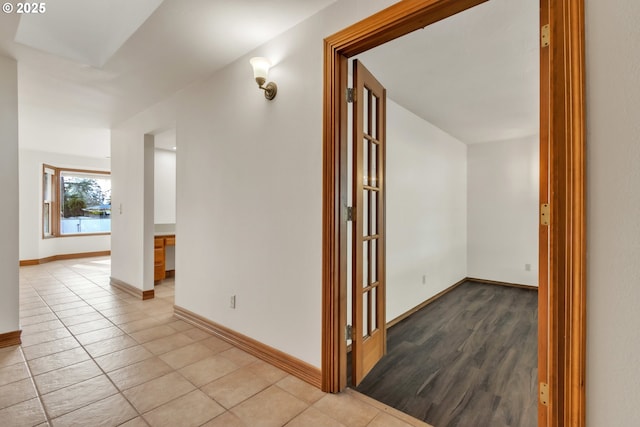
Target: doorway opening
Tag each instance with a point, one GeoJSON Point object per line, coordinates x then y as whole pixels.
{"type": "Point", "coordinates": [459, 196]}
{"type": "Point", "coordinates": [561, 338]}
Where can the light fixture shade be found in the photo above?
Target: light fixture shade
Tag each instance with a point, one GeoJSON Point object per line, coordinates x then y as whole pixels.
{"type": "Point", "coordinates": [260, 67]}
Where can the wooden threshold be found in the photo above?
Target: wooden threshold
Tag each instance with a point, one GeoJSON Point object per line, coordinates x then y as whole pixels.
{"type": "Point", "coordinates": [408, 419]}
{"type": "Point", "coordinates": [9, 339]}
{"type": "Point", "coordinates": [275, 357]}
{"type": "Point", "coordinates": [27, 262]}
{"type": "Point", "coordinates": [132, 290]}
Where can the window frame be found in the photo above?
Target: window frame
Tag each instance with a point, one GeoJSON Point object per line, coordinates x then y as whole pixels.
{"type": "Point", "coordinates": [54, 204]}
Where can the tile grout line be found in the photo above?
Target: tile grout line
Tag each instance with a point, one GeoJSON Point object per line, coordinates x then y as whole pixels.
{"type": "Point", "coordinates": [121, 392]}
{"type": "Point", "coordinates": [105, 373]}
{"type": "Point", "coordinates": [39, 395]}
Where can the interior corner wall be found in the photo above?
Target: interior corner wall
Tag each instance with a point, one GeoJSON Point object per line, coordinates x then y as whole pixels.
{"type": "Point", "coordinates": [426, 219]}
{"type": "Point", "coordinates": [9, 255]}
{"type": "Point", "coordinates": [613, 212]}
{"type": "Point", "coordinates": [32, 245]}
{"type": "Point", "coordinates": [503, 206]}
{"type": "Point", "coordinates": [131, 209]}
{"type": "Point", "coordinates": [164, 187]}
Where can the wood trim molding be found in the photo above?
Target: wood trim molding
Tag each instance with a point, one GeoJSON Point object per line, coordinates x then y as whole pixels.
{"type": "Point", "coordinates": [55, 203]}
{"type": "Point", "coordinates": [566, 297]}
{"type": "Point", "coordinates": [9, 339]}
{"type": "Point", "coordinates": [496, 282]}
{"type": "Point", "coordinates": [132, 290]}
{"type": "Point", "coordinates": [287, 363]}
{"type": "Point", "coordinates": [87, 171]}
{"type": "Point", "coordinates": [567, 272]}
{"type": "Point", "coordinates": [425, 303]}
{"type": "Point", "coordinates": [28, 262]}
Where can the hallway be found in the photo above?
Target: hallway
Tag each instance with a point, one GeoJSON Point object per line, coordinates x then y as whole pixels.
{"type": "Point", "coordinates": [94, 356]}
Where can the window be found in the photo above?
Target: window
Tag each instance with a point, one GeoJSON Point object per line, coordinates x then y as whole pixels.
{"type": "Point", "coordinates": [75, 202]}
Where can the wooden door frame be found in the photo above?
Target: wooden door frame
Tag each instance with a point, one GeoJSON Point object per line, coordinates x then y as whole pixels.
{"type": "Point", "coordinates": [563, 108]}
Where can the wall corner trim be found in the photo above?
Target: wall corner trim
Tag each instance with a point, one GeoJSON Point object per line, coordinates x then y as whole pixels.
{"type": "Point", "coordinates": [277, 358]}
{"type": "Point", "coordinates": [9, 339]}
{"type": "Point", "coordinates": [132, 290]}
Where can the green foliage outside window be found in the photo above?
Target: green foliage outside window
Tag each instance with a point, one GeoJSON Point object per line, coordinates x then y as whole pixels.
{"type": "Point", "coordinates": [83, 197]}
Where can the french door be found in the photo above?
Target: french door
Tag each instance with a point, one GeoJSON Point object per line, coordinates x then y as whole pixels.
{"type": "Point", "coordinates": [368, 272]}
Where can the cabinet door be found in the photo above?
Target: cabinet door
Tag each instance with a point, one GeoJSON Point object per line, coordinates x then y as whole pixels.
{"type": "Point", "coordinates": [159, 264]}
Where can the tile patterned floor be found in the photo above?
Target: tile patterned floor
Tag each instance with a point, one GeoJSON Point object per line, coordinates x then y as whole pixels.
{"type": "Point", "coordinates": [94, 356]}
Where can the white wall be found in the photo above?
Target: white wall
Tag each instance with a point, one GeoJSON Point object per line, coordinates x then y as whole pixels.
{"type": "Point", "coordinates": [132, 208]}
{"type": "Point", "coordinates": [613, 212]}
{"type": "Point", "coordinates": [426, 210]}
{"type": "Point", "coordinates": [9, 222]}
{"type": "Point", "coordinates": [43, 129]}
{"type": "Point", "coordinates": [164, 187]}
{"type": "Point", "coordinates": [503, 194]}
{"type": "Point", "coordinates": [32, 245]}
{"type": "Point", "coordinates": [256, 231]}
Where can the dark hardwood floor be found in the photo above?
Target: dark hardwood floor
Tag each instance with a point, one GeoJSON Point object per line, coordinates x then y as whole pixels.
{"type": "Point", "coordinates": [468, 359]}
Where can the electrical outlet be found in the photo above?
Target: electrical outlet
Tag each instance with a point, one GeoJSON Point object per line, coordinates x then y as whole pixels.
{"type": "Point", "coordinates": [424, 279]}
{"type": "Point", "coordinates": [232, 302]}
{"type": "Point", "coordinates": [527, 267]}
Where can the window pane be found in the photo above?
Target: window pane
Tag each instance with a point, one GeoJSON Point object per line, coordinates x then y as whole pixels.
{"type": "Point", "coordinates": [374, 165]}
{"type": "Point", "coordinates": [46, 218]}
{"type": "Point", "coordinates": [365, 213]}
{"type": "Point", "coordinates": [365, 109]}
{"type": "Point", "coordinates": [374, 117]}
{"type": "Point", "coordinates": [366, 327]}
{"type": "Point", "coordinates": [47, 199]}
{"type": "Point", "coordinates": [365, 264]}
{"type": "Point", "coordinates": [374, 260]}
{"type": "Point", "coordinates": [85, 203]}
{"type": "Point", "coordinates": [374, 212]}
{"type": "Point", "coordinates": [365, 162]}
{"type": "Point", "coordinates": [374, 307]}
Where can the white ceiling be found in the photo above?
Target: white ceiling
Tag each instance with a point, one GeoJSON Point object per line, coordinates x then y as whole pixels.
{"type": "Point", "coordinates": [88, 32]}
{"type": "Point", "coordinates": [86, 65]}
{"type": "Point", "coordinates": [475, 75]}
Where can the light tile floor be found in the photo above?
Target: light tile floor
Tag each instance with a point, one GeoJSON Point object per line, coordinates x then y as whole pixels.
{"type": "Point", "coordinates": [95, 356]}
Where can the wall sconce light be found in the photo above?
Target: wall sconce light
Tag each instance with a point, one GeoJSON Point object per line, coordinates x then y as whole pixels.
{"type": "Point", "coordinates": [260, 73]}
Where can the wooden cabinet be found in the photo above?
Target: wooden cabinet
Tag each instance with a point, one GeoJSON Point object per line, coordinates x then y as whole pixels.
{"type": "Point", "coordinates": [159, 256]}
{"type": "Point", "coordinates": [158, 259]}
